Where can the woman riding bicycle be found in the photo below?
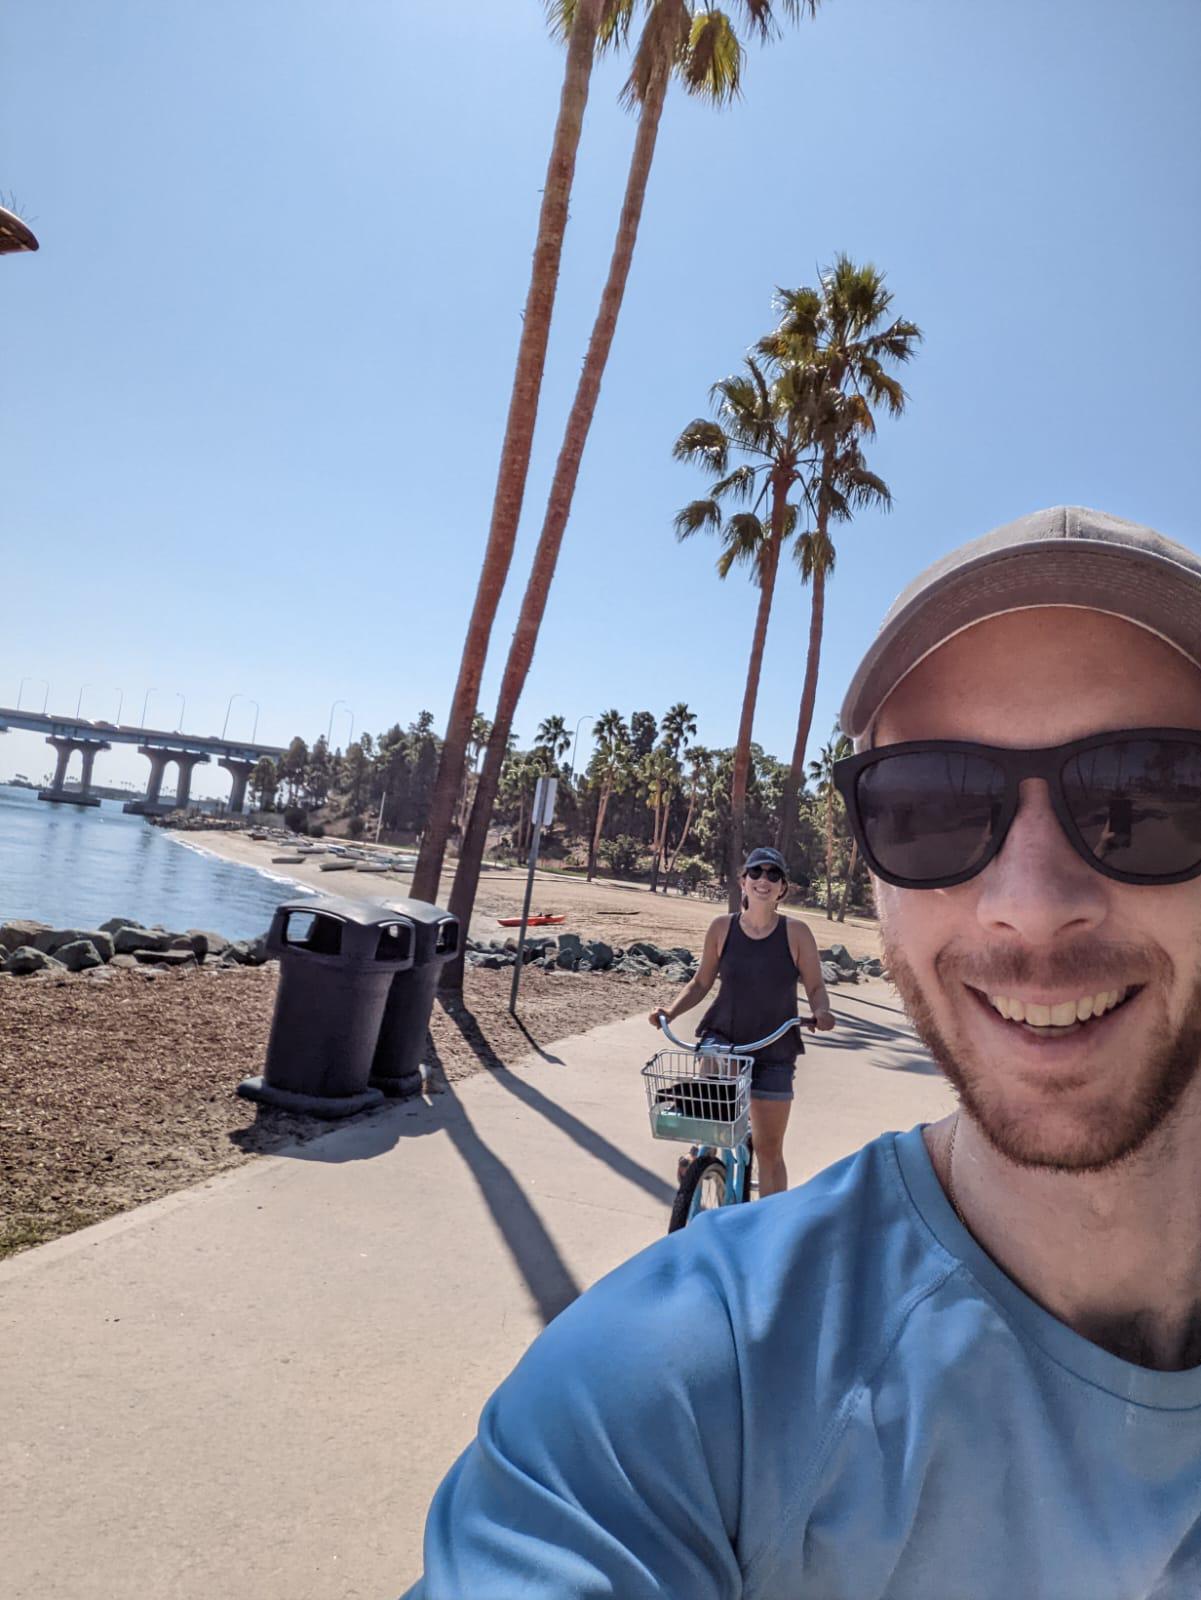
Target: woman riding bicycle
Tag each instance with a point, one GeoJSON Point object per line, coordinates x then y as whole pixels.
{"type": "Point", "coordinates": [759, 955]}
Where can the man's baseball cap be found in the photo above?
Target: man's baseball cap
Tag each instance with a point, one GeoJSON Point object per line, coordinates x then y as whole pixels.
{"type": "Point", "coordinates": [764, 856]}
{"type": "Point", "coordinates": [1067, 556]}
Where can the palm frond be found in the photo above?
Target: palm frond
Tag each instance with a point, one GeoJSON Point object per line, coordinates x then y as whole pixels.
{"type": "Point", "coordinates": [661, 45]}
{"type": "Point", "coordinates": [761, 15]}
{"type": "Point", "coordinates": [739, 485]}
{"type": "Point", "coordinates": [711, 63]}
{"type": "Point", "coordinates": [697, 516]}
{"type": "Point", "coordinates": [814, 552]}
{"type": "Point", "coordinates": [705, 442]}
{"type": "Point", "coordinates": [745, 539]}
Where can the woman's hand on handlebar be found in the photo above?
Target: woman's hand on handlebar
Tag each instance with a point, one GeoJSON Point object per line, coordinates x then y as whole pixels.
{"type": "Point", "coordinates": [657, 1016]}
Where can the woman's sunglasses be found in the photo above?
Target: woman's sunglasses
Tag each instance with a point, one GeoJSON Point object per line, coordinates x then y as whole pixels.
{"type": "Point", "coordinates": [772, 874]}
{"type": "Point", "coordinates": [932, 813]}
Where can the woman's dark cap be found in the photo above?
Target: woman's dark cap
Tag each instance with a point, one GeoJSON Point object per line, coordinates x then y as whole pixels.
{"type": "Point", "coordinates": [764, 856]}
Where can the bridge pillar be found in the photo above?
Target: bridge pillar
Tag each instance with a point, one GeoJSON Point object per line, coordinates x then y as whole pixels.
{"type": "Point", "coordinates": [160, 760]}
{"type": "Point", "coordinates": [240, 772]}
{"type": "Point", "coordinates": [66, 748]}
{"type": "Point", "coordinates": [186, 765]}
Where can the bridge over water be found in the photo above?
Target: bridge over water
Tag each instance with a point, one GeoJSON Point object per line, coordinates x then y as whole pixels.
{"type": "Point", "coordinates": [67, 735]}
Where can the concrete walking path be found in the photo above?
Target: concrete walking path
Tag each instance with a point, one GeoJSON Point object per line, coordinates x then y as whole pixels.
{"type": "Point", "coordinates": [254, 1386]}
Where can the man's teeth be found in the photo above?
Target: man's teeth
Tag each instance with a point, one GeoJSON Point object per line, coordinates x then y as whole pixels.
{"type": "Point", "coordinates": [1060, 1016]}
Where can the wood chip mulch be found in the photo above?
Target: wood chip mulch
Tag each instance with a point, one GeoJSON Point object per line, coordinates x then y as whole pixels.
{"type": "Point", "coordinates": [117, 1087]}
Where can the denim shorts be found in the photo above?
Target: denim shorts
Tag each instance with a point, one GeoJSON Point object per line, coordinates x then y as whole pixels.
{"type": "Point", "coordinates": [770, 1080]}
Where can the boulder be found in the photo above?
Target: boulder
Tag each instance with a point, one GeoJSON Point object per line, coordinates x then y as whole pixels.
{"type": "Point", "coordinates": [492, 960]}
{"type": "Point", "coordinates": [79, 955]}
{"type": "Point", "coordinates": [53, 940]}
{"type": "Point", "coordinates": [206, 943]}
{"type": "Point", "coordinates": [115, 924]}
{"type": "Point", "coordinates": [25, 959]}
{"type": "Point", "coordinates": [123, 961]}
{"type": "Point", "coordinates": [128, 940]}
{"type": "Point", "coordinates": [165, 958]}
{"type": "Point", "coordinates": [571, 942]}
{"type": "Point", "coordinates": [830, 973]}
{"type": "Point", "coordinates": [676, 971]}
{"type": "Point", "coordinates": [648, 952]}
{"type": "Point", "coordinates": [684, 957]}
{"type": "Point", "coordinates": [838, 955]}
{"type": "Point", "coordinates": [598, 955]}
{"type": "Point", "coordinates": [245, 953]}
{"type": "Point", "coordinates": [872, 967]}
{"type": "Point", "coordinates": [568, 958]}
{"type": "Point", "coordinates": [21, 932]}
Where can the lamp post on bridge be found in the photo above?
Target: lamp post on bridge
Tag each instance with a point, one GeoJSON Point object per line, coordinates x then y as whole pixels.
{"type": "Point", "coordinates": [240, 696]}
{"type": "Point", "coordinates": [21, 691]}
{"type": "Point", "coordinates": [183, 707]}
{"type": "Point", "coordinates": [146, 705]}
{"type": "Point", "coordinates": [79, 702]}
{"type": "Point", "coordinates": [120, 706]}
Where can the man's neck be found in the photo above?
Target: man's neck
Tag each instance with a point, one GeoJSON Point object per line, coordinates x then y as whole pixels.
{"type": "Point", "coordinates": [1115, 1255]}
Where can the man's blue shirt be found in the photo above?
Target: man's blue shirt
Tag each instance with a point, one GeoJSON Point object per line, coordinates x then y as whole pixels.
{"type": "Point", "coordinates": [830, 1395]}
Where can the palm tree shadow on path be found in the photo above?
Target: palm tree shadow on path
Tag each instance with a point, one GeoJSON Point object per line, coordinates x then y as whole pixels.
{"type": "Point", "coordinates": [893, 1049]}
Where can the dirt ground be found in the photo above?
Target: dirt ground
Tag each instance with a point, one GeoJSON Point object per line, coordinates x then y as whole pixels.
{"type": "Point", "coordinates": [119, 1088]}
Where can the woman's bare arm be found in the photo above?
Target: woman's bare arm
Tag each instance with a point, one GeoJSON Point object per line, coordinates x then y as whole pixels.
{"type": "Point", "coordinates": [706, 974]}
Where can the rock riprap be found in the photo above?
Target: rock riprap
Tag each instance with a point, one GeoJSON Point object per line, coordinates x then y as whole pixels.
{"type": "Point", "coordinates": [570, 953]}
{"type": "Point", "coordinates": [28, 947]}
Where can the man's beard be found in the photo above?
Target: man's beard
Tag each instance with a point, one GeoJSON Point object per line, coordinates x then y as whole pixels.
{"type": "Point", "coordinates": [1102, 1141]}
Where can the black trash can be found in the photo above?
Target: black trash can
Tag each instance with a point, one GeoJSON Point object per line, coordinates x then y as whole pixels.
{"type": "Point", "coordinates": [397, 1068]}
{"type": "Point", "coordinates": [338, 961]}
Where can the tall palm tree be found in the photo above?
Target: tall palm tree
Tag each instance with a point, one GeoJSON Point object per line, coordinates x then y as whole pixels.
{"type": "Point", "coordinates": [767, 422]}
{"type": "Point", "coordinates": [580, 25]}
{"type": "Point", "coordinates": [678, 727]}
{"type": "Point", "coordinates": [554, 737]}
{"type": "Point", "coordinates": [822, 773]}
{"type": "Point", "coordinates": [837, 342]}
{"type": "Point", "coordinates": [699, 44]}
{"type": "Point", "coordinates": [609, 770]}
{"type": "Point", "coordinates": [700, 763]}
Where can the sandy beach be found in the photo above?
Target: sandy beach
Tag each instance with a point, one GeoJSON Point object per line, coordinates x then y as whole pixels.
{"type": "Point", "coordinates": [617, 912]}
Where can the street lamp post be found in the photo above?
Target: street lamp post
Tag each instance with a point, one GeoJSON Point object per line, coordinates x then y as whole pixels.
{"type": "Point", "coordinates": [79, 702]}
{"type": "Point", "coordinates": [183, 707]}
{"type": "Point", "coordinates": [120, 706]}
{"type": "Point", "coordinates": [45, 696]}
{"type": "Point", "coordinates": [146, 704]}
{"type": "Point", "coordinates": [254, 732]}
{"type": "Point", "coordinates": [575, 742]}
{"type": "Point", "coordinates": [329, 732]}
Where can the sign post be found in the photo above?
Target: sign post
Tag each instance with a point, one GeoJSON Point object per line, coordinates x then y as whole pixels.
{"type": "Point", "coordinates": [544, 815]}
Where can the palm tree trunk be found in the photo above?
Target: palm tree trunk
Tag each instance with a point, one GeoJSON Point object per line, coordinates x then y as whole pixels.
{"type": "Point", "coordinates": [850, 878]}
{"type": "Point", "coordinates": [515, 451]}
{"type": "Point", "coordinates": [792, 783]}
{"type": "Point", "coordinates": [601, 808]}
{"type": "Point", "coordinates": [829, 849]}
{"type": "Point", "coordinates": [742, 750]}
{"type": "Point", "coordinates": [671, 864]}
{"type": "Point", "coordinates": [558, 508]}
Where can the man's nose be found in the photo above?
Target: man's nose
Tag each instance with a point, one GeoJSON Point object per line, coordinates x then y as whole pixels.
{"type": "Point", "coordinates": [1038, 887]}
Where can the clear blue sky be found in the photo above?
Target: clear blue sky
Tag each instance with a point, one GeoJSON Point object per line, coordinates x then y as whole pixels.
{"type": "Point", "coordinates": [255, 380]}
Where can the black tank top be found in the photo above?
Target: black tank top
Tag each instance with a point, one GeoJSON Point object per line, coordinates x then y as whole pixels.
{"type": "Point", "coordinates": [757, 994]}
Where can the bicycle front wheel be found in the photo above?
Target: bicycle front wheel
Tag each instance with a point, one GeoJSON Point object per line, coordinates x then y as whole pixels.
{"type": "Point", "coordinates": [702, 1188]}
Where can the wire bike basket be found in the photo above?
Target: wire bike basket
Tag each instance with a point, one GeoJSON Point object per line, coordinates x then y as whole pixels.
{"type": "Point", "coordinates": [699, 1097]}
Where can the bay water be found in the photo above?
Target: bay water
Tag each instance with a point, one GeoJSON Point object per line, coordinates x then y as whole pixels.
{"type": "Point", "coordinates": [76, 867]}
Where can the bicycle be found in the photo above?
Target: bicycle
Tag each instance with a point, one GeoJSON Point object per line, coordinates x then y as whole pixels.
{"type": "Point", "coordinates": [701, 1094]}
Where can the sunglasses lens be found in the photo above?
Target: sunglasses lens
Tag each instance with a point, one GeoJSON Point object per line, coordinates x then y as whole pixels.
{"type": "Point", "coordinates": [1137, 804]}
{"type": "Point", "coordinates": [772, 874]}
{"type": "Point", "coordinates": [930, 814]}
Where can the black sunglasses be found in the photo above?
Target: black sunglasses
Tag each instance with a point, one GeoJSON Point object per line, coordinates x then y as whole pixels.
{"type": "Point", "coordinates": [774, 875]}
{"type": "Point", "coordinates": [932, 813]}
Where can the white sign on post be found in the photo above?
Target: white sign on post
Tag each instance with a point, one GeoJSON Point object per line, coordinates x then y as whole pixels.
{"type": "Point", "coordinates": [544, 801]}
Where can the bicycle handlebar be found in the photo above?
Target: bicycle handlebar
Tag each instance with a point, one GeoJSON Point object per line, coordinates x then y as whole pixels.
{"type": "Point", "coordinates": [740, 1049]}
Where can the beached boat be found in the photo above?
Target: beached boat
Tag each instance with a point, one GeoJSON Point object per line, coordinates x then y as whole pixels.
{"type": "Point", "coordinates": [336, 866]}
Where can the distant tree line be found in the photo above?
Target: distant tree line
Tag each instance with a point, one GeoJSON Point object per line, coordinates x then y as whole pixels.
{"type": "Point", "coordinates": [651, 805]}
